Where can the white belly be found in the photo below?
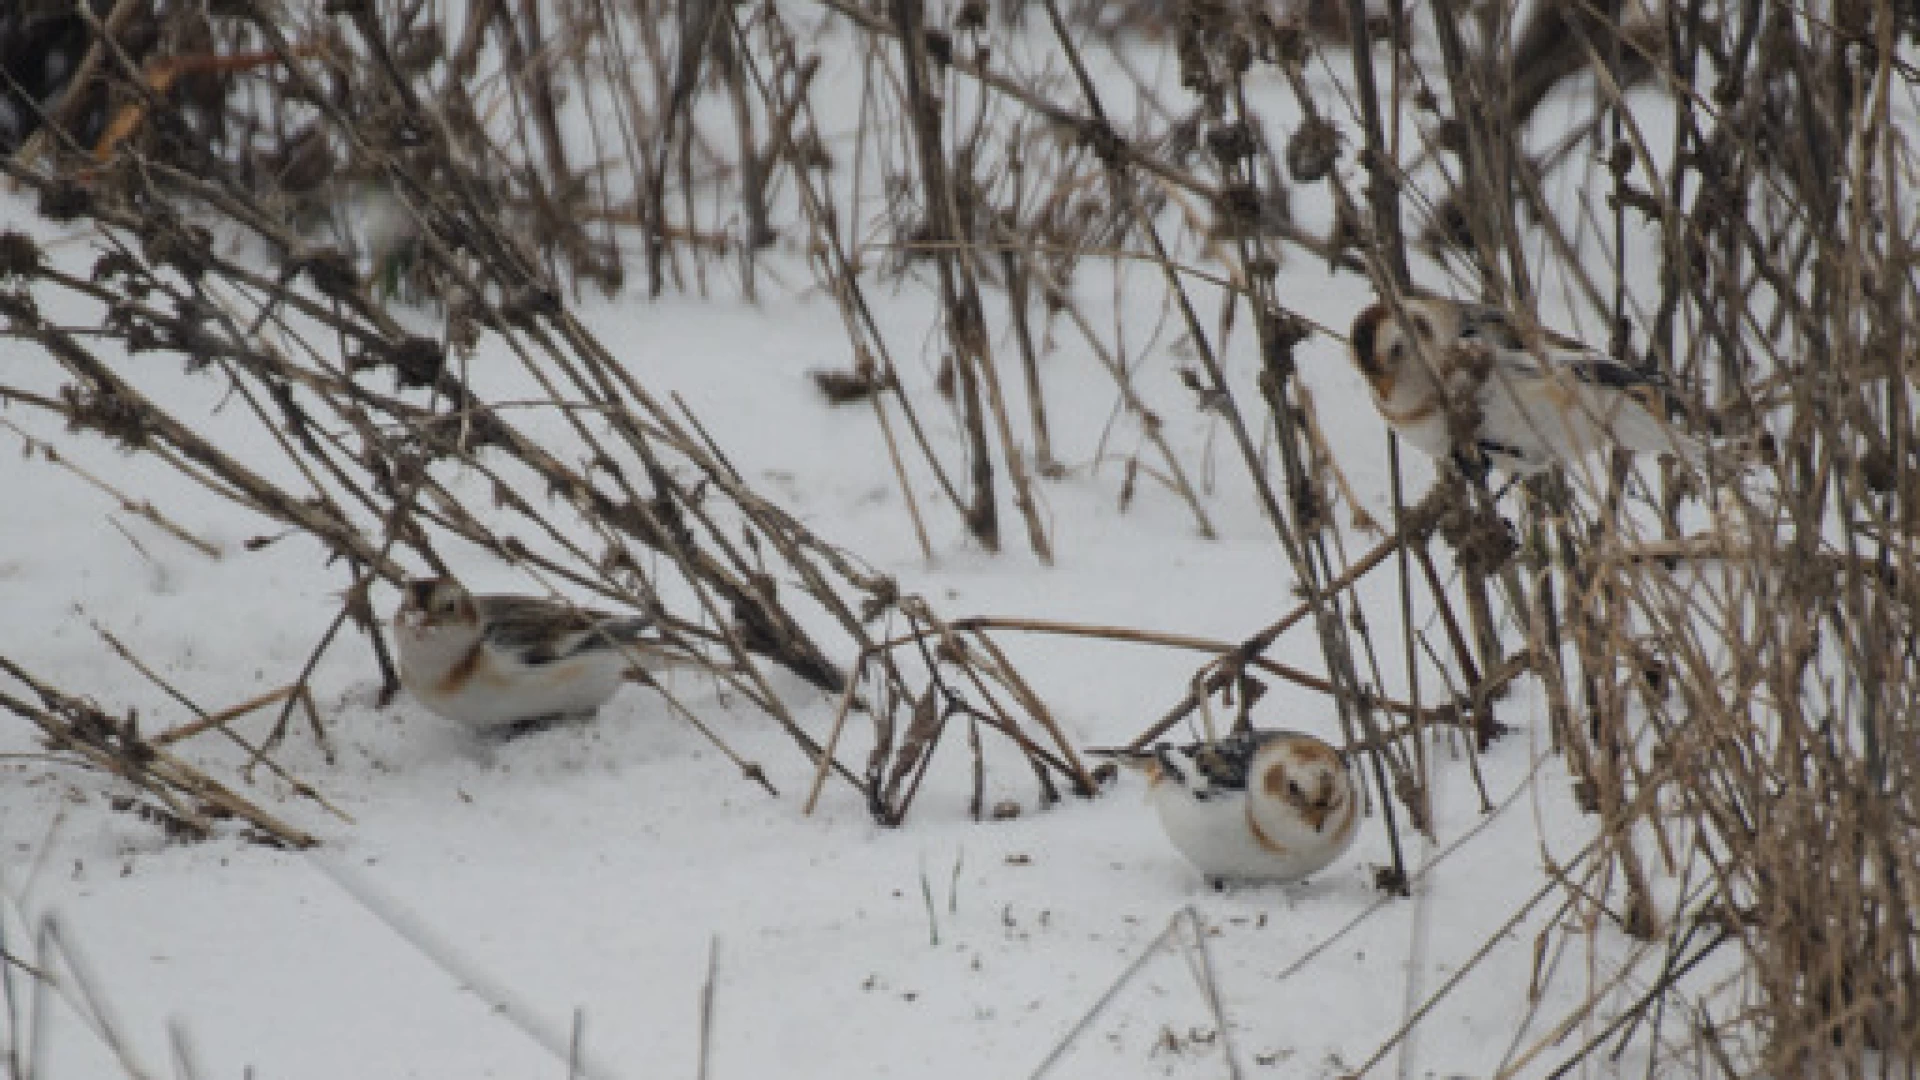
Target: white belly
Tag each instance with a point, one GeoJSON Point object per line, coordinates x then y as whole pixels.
{"type": "Point", "coordinates": [574, 688]}
{"type": "Point", "coordinates": [1215, 835]}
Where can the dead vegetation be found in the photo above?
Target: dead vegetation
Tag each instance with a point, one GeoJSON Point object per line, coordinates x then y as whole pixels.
{"type": "Point", "coordinates": [1728, 660]}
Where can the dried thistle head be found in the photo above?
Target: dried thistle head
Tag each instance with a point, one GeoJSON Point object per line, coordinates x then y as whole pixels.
{"type": "Point", "coordinates": [1312, 150]}
{"type": "Point", "coordinates": [99, 408]}
{"type": "Point", "coordinates": [19, 255]}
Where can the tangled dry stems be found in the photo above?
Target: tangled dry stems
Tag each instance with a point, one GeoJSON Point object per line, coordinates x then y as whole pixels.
{"type": "Point", "coordinates": [1729, 674]}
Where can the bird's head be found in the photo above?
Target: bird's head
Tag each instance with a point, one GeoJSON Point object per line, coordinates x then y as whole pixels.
{"type": "Point", "coordinates": [1310, 778]}
{"type": "Point", "coordinates": [432, 601]}
{"type": "Point", "coordinates": [1384, 344]}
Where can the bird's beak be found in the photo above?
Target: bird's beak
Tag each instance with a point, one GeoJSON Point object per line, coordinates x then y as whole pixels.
{"type": "Point", "coordinates": [1317, 811]}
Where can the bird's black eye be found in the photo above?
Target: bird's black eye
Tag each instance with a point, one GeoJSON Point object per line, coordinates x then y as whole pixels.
{"type": "Point", "coordinates": [1423, 327]}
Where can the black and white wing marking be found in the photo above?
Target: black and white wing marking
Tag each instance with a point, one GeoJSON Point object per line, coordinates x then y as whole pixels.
{"type": "Point", "coordinates": [1222, 767]}
{"type": "Point", "coordinates": [1490, 326]}
{"type": "Point", "coordinates": [1223, 764]}
{"type": "Point", "coordinates": [1559, 353]}
{"type": "Point", "coordinates": [536, 632]}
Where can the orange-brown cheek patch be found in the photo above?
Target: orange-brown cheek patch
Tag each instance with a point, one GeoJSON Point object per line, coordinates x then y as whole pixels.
{"type": "Point", "coordinates": [1308, 753]}
{"type": "Point", "coordinates": [1409, 417]}
{"type": "Point", "coordinates": [1267, 843]}
{"type": "Point", "coordinates": [463, 670]}
{"type": "Point", "coordinates": [1274, 782]}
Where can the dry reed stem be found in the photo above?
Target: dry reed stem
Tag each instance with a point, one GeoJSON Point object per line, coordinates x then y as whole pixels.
{"type": "Point", "coordinates": [189, 799]}
{"type": "Point", "coordinates": [1123, 381]}
{"type": "Point", "coordinates": [1186, 642]}
{"type": "Point", "coordinates": [707, 988]}
{"type": "Point", "coordinates": [1413, 524]}
{"type": "Point", "coordinates": [845, 289]}
{"type": "Point", "coordinates": [143, 508]}
{"type": "Point", "coordinates": [296, 692]}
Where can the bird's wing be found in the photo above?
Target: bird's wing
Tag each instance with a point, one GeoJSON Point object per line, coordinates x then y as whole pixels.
{"type": "Point", "coordinates": [1599, 371]}
{"type": "Point", "coordinates": [1485, 323]}
{"type": "Point", "coordinates": [535, 631]}
{"type": "Point", "coordinates": [1224, 764]}
{"type": "Point", "coordinates": [1557, 353]}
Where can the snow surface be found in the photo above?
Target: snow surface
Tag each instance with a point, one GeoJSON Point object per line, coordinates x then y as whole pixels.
{"type": "Point", "coordinates": [485, 901]}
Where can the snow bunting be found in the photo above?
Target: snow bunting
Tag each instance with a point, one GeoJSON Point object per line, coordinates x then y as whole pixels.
{"type": "Point", "coordinates": [1257, 806]}
{"type": "Point", "coordinates": [509, 665]}
{"type": "Point", "coordinates": [1470, 387]}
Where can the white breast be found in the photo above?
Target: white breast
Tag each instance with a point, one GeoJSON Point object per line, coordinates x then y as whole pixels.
{"type": "Point", "coordinates": [1415, 393]}
{"type": "Point", "coordinates": [1228, 836]}
{"type": "Point", "coordinates": [1211, 834]}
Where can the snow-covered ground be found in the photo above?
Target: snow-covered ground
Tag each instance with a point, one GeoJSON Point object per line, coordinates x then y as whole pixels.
{"type": "Point", "coordinates": [621, 886]}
